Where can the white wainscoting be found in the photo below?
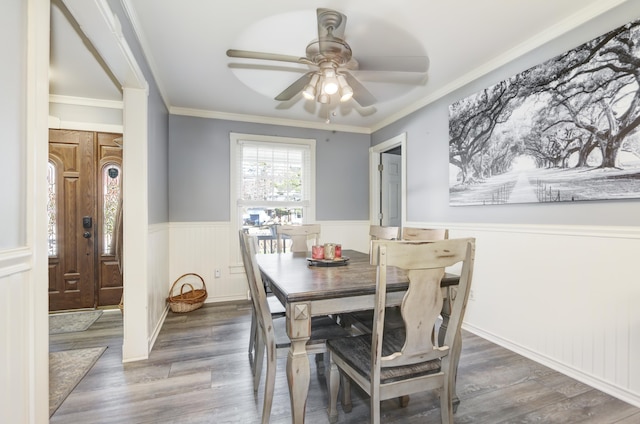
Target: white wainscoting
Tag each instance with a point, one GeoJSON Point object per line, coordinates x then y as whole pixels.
{"type": "Point", "coordinates": [567, 297]}
{"type": "Point", "coordinates": [15, 319]}
{"type": "Point", "coordinates": [203, 247]}
{"type": "Point", "coordinates": [158, 273]}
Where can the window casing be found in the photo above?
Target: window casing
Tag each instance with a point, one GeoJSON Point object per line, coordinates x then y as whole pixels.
{"type": "Point", "coordinates": [273, 182]}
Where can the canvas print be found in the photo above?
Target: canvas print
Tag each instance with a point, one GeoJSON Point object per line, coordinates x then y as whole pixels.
{"type": "Point", "coordinates": [565, 130]}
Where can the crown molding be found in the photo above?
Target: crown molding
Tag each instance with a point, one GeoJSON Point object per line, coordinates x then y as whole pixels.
{"type": "Point", "coordinates": [267, 120]}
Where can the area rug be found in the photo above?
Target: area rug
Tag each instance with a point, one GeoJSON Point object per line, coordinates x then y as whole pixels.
{"type": "Point", "coordinates": [66, 369]}
{"type": "Point", "coordinates": [72, 321]}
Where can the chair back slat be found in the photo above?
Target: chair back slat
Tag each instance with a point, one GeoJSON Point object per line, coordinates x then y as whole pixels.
{"type": "Point", "coordinates": [379, 232]}
{"type": "Point", "coordinates": [410, 233]}
{"type": "Point", "coordinates": [299, 234]}
{"type": "Point", "coordinates": [424, 263]}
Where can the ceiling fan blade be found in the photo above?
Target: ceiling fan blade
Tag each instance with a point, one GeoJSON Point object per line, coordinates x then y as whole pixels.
{"type": "Point", "coordinates": [393, 63]}
{"type": "Point", "coordinates": [360, 93]}
{"type": "Point", "coordinates": [297, 86]}
{"type": "Point", "coordinates": [246, 54]}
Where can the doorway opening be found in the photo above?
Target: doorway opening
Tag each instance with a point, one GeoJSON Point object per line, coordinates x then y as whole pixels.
{"type": "Point", "coordinates": [84, 203]}
{"type": "Point", "coordinates": [387, 182]}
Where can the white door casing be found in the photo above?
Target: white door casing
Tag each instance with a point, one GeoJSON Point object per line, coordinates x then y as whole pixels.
{"type": "Point", "coordinates": [375, 180]}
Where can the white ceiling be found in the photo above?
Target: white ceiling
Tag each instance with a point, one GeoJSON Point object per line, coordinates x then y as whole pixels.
{"type": "Point", "coordinates": [185, 43]}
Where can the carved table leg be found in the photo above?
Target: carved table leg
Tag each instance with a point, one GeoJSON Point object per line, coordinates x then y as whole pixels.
{"type": "Point", "coordinates": [298, 372]}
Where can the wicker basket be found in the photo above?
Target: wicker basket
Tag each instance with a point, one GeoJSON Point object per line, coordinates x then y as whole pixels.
{"type": "Point", "coordinates": [189, 301]}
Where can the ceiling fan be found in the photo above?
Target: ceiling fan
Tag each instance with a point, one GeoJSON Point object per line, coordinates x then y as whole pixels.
{"type": "Point", "coordinates": [330, 59]}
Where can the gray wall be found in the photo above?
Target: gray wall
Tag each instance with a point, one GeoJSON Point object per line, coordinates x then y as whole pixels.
{"type": "Point", "coordinates": [13, 22]}
{"type": "Point", "coordinates": [199, 169]}
{"type": "Point", "coordinates": [158, 133]}
{"type": "Point", "coordinates": [428, 151]}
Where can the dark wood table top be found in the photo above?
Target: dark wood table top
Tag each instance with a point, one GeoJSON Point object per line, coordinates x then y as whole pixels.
{"type": "Point", "coordinates": [293, 280]}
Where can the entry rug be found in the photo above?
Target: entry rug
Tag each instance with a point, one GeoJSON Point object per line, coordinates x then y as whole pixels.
{"type": "Point", "coordinates": [72, 321]}
{"type": "Point", "coordinates": [66, 369]}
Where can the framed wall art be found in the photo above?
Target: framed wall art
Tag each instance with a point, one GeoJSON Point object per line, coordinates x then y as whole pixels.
{"type": "Point", "coordinates": [565, 130]}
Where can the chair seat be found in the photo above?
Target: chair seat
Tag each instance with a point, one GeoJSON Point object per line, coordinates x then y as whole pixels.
{"type": "Point", "coordinates": [322, 329]}
{"type": "Point", "coordinates": [356, 352]}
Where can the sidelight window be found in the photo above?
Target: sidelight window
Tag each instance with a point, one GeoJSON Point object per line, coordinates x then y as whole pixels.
{"type": "Point", "coordinates": [51, 209]}
{"type": "Point", "coordinates": [111, 177]}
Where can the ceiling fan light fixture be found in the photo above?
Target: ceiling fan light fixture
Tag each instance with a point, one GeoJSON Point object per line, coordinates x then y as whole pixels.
{"type": "Point", "coordinates": [329, 81]}
{"type": "Point", "coordinates": [324, 98]}
{"type": "Point", "coordinates": [309, 91]}
{"type": "Point", "coordinates": [346, 92]}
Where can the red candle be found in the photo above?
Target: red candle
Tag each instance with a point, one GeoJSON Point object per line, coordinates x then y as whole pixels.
{"type": "Point", "coordinates": [317, 252]}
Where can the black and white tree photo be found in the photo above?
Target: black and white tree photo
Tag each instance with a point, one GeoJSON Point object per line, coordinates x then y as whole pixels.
{"type": "Point", "coordinates": [565, 130]}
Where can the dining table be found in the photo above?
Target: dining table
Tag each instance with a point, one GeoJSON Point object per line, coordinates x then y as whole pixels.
{"type": "Point", "coordinates": [310, 288]}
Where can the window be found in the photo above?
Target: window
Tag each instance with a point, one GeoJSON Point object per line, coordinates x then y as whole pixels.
{"type": "Point", "coordinates": [273, 183]}
{"type": "Point", "coordinates": [52, 227]}
{"type": "Point", "coordinates": [110, 202]}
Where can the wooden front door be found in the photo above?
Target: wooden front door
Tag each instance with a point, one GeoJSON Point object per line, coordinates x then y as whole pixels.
{"type": "Point", "coordinates": [77, 161]}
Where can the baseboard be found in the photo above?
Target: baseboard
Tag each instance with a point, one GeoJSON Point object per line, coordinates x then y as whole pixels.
{"type": "Point", "coordinates": [158, 327]}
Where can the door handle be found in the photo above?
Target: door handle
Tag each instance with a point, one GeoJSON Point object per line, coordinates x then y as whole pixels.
{"type": "Point", "coordinates": [86, 234]}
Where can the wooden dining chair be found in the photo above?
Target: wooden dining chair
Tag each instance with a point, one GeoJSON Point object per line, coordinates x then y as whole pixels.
{"type": "Point", "coordinates": [380, 232]}
{"type": "Point", "coordinates": [361, 320]}
{"type": "Point", "coordinates": [411, 233]}
{"type": "Point", "coordinates": [299, 235]}
{"type": "Point", "coordinates": [391, 363]}
{"type": "Point", "coordinates": [276, 308]}
{"type": "Point", "coordinates": [271, 337]}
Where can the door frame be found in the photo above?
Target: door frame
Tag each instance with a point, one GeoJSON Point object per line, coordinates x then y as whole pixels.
{"type": "Point", "coordinates": [374, 181]}
{"type": "Point", "coordinates": [100, 25]}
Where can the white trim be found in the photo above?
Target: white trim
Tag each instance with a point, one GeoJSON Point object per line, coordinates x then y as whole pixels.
{"type": "Point", "coordinates": [84, 101]}
{"type": "Point", "coordinates": [135, 220]}
{"type": "Point", "coordinates": [199, 113]}
{"type": "Point", "coordinates": [34, 398]}
{"type": "Point", "coordinates": [374, 182]}
{"type": "Point", "coordinates": [56, 123]}
{"type": "Point", "coordinates": [618, 232]}
{"type": "Point", "coordinates": [157, 328]}
{"type": "Point", "coordinates": [15, 261]}
{"type": "Point", "coordinates": [199, 224]}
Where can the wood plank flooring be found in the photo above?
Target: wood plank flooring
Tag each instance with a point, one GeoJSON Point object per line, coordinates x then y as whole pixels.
{"type": "Point", "coordinates": [198, 372]}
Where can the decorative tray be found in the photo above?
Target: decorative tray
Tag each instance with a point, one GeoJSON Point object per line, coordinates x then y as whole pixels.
{"type": "Point", "coordinates": [329, 262]}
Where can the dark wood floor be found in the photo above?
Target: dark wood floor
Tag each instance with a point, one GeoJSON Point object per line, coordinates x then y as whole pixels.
{"type": "Point", "coordinates": [198, 372]}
